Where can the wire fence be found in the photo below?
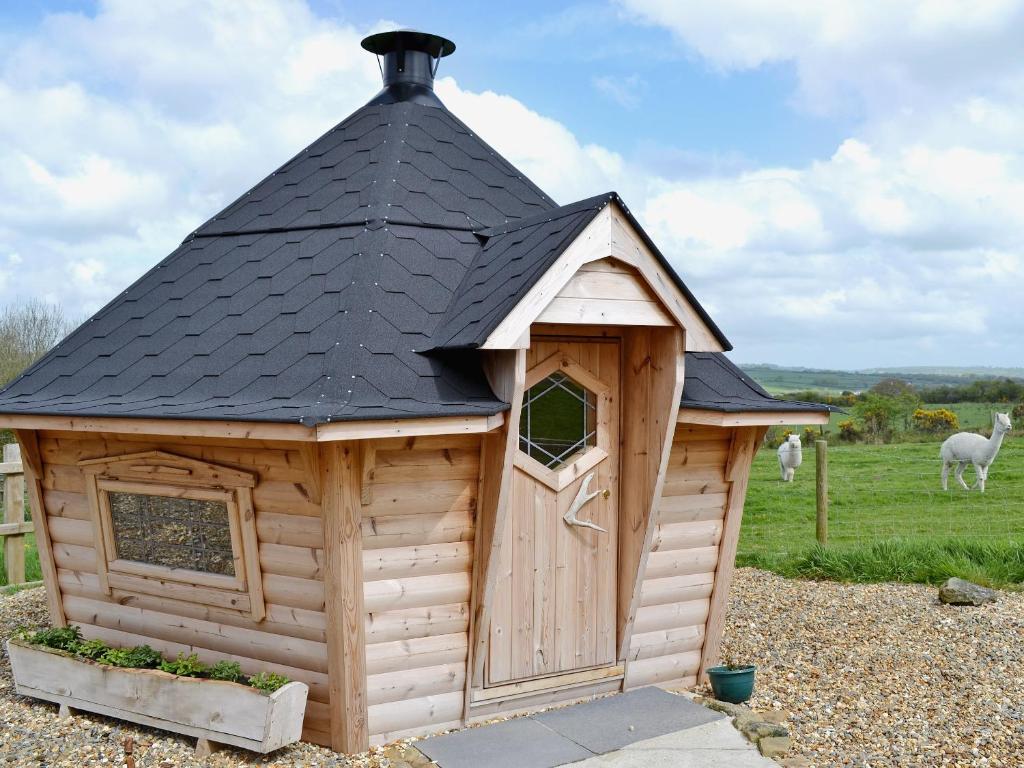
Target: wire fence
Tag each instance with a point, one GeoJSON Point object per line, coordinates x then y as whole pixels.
{"type": "Point", "coordinates": [882, 493]}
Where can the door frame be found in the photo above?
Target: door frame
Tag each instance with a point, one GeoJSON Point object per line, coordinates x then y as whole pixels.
{"type": "Point", "coordinates": [557, 481]}
{"type": "Point", "coordinates": [658, 354]}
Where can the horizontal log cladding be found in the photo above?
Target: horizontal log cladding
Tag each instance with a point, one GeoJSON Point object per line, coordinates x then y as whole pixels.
{"type": "Point", "coordinates": [419, 506]}
{"type": "Point", "coordinates": [175, 617]}
{"type": "Point", "coordinates": [418, 519]}
{"type": "Point", "coordinates": [668, 632]}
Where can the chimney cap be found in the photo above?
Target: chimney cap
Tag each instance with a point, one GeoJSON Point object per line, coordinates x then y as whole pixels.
{"type": "Point", "coordinates": [408, 40]}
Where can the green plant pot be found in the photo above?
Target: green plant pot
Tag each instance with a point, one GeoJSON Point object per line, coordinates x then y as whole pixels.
{"type": "Point", "coordinates": [733, 685]}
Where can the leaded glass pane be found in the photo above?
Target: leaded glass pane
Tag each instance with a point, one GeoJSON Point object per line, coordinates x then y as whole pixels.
{"type": "Point", "coordinates": [176, 533]}
{"type": "Point", "coordinates": [558, 420]}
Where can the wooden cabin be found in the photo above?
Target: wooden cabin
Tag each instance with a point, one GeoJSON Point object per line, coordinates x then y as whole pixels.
{"type": "Point", "coordinates": [397, 425]}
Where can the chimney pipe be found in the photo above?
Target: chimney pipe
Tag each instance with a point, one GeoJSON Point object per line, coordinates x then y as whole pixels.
{"type": "Point", "coordinates": [408, 61]}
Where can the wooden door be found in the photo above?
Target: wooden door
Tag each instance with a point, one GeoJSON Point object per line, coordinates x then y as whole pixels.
{"type": "Point", "coordinates": [555, 601]}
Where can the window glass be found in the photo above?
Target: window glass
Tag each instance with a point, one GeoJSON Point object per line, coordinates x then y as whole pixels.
{"type": "Point", "coordinates": [172, 532]}
{"type": "Point", "coordinates": [558, 420]}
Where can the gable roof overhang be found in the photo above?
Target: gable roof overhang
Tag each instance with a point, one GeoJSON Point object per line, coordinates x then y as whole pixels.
{"type": "Point", "coordinates": [717, 392]}
{"type": "Point", "coordinates": [522, 266]}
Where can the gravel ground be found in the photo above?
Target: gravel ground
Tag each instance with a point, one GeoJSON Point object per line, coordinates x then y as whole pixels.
{"type": "Point", "coordinates": [872, 675]}
{"type": "Point", "coordinates": [883, 674]}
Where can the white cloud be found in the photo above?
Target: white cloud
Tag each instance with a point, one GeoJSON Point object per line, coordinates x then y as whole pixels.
{"type": "Point", "coordinates": [115, 142]}
{"type": "Point", "coordinates": [879, 52]}
{"type": "Point", "coordinates": [542, 148]}
{"type": "Point", "coordinates": [626, 91]}
{"type": "Point", "coordinates": [900, 241]}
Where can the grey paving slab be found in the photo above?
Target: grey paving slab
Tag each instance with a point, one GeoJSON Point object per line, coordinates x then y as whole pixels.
{"type": "Point", "coordinates": [616, 721]}
{"type": "Point", "coordinates": [713, 745]}
{"type": "Point", "coordinates": [520, 743]}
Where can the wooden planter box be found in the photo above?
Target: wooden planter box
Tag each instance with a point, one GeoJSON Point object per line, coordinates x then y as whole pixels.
{"type": "Point", "coordinates": [214, 710]}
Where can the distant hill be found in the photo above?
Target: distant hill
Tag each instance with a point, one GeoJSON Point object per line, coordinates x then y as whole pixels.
{"type": "Point", "coordinates": [979, 372]}
{"type": "Point", "coordinates": [780, 379]}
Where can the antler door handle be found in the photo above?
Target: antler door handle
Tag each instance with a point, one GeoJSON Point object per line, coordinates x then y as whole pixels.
{"type": "Point", "coordinates": [582, 497]}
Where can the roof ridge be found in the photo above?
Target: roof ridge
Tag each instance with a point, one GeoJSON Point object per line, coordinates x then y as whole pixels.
{"type": "Point", "coordinates": [366, 223]}
{"type": "Point", "coordinates": [560, 212]}
{"type": "Point", "coordinates": [500, 157]}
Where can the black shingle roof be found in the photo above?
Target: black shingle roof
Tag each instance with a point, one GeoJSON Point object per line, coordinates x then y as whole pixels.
{"type": "Point", "coordinates": [515, 256]}
{"type": "Point", "coordinates": [402, 163]}
{"type": "Point", "coordinates": [512, 259]}
{"type": "Point", "coordinates": [313, 297]}
{"type": "Point", "coordinates": [714, 383]}
{"type": "Point", "coordinates": [305, 298]}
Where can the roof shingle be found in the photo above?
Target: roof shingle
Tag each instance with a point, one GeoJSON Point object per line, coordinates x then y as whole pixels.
{"type": "Point", "coordinates": [714, 383]}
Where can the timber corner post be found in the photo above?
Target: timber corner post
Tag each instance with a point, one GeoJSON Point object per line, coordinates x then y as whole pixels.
{"type": "Point", "coordinates": [745, 442]}
{"type": "Point", "coordinates": [346, 635]}
{"type": "Point", "coordinates": [32, 464]}
{"type": "Point", "coordinates": [506, 373]}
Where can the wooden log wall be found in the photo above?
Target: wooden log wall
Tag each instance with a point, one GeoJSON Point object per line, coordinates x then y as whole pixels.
{"type": "Point", "coordinates": [669, 629]}
{"type": "Point", "coordinates": [290, 641]}
{"type": "Point", "coordinates": [419, 500]}
{"type": "Point", "coordinates": [419, 508]}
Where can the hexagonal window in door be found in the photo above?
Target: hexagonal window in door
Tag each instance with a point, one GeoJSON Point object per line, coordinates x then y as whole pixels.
{"type": "Point", "coordinates": [559, 420]}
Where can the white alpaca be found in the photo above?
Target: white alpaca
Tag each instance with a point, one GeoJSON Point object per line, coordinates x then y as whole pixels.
{"type": "Point", "coordinates": [966, 448]}
{"type": "Point", "coordinates": [791, 456]}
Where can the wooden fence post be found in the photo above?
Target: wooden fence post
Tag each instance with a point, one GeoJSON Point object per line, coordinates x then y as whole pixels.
{"type": "Point", "coordinates": [14, 514]}
{"type": "Point", "coordinates": [821, 456]}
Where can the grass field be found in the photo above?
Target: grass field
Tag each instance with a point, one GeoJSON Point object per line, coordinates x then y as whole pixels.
{"type": "Point", "coordinates": [891, 495]}
{"type": "Point", "coordinates": [780, 379]}
{"type": "Point", "coordinates": [32, 572]}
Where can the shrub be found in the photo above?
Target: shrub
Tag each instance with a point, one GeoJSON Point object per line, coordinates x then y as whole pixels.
{"type": "Point", "coordinates": [90, 649]}
{"type": "Point", "coordinates": [185, 666]}
{"type": "Point", "coordinates": [809, 436]}
{"type": "Point", "coordinates": [226, 670]}
{"type": "Point", "coordinates": [848, 431]}
{"type": "Point", "coordinates": [878, 415]}
{"type": "Point", "coordinates": [939, 420]}
{"type": "Point", "coordinates": [1017, 414]}
{"type": "Point", "coordinates": [268, 682]}
{"type": "Point", "coordinates": [61, 638]}
{"type": "Point", "coordinates": [981, 391]}
{"type": "Point", "coordinates": [139, 657]}
{"type": "Point", "coordinates": [892, 387]}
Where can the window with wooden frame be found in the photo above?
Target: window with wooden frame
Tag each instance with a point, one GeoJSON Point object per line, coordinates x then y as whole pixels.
{"type": "Point", "coordinates": [176, 527]}
{"type": "Point", "coordinates": [563, 424]}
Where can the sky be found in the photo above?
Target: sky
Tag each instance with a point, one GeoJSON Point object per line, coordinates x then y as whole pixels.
{"type": "Point", "coordinates": [840, 184]}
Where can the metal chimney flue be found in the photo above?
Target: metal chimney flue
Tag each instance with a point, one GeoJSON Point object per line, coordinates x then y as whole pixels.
{"type": "Point", "coordinates": [408, 61]}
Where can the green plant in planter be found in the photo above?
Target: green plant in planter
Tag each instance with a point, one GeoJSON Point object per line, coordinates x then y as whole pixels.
{"type": "Point", "coordinates": [139, 657]}
{"type": "Point", "coordinates": [185, 666]}
{"type": "Point", "coordinates": [226, 670]}
{"type": "Point", "coordinates": [70, 639]}
{"type": "Point", "coordinates": [268, 682]}
{"type": "Point", "coordinates": [91, 649]}
{"type": "Point", "coordinates": [61, 638]}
